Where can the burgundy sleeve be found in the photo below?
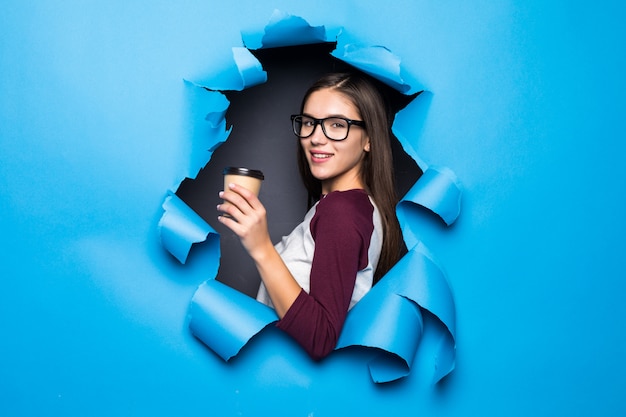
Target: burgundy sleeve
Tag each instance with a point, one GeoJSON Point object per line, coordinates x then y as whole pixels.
{"type": "Point", "coordinates": [341, 228]}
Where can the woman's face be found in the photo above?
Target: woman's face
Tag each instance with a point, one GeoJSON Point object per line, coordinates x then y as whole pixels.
{"type": "Point", "coordinates": [337, 164]}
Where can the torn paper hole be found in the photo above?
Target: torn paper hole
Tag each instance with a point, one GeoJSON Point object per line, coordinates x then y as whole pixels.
{"type": "Point", "coordinates": [225, 320]}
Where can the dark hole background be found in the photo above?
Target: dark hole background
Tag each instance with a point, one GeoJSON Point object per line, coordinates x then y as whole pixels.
{"type": "Point", "coordinates": [262, 139]}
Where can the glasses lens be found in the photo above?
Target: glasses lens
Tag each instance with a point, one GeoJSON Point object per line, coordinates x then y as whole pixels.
{"type": "Point", "coordinates": [303, 126]}
{"type": "Point", "coordinates": [336, 128]}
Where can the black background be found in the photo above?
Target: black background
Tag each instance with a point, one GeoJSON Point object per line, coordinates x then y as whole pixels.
{"type": "Point", "coordinates": [262, 139]}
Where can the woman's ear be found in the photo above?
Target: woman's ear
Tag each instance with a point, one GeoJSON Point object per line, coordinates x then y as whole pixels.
{"type": "Point", "coordinates": [367, 146]}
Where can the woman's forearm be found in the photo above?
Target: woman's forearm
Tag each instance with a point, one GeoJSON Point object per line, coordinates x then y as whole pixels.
{"type": "Point", "coordinates": [279, 283]}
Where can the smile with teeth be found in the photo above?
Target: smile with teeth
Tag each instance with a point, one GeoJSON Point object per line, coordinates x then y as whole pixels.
{"type": "Point", "coordinates": [320, 156]}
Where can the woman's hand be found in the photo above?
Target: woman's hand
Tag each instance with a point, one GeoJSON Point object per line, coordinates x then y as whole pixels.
{"type": "Point", "coordinates": [247, 220]}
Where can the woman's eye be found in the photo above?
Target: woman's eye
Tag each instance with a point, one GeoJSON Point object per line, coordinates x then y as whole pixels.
{"type": "Point", "coordinates": [338, 124]}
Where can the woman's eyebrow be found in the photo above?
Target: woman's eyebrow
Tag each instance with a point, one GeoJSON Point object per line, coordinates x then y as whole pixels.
{"type": "Point", "coordinates": [341, 116]}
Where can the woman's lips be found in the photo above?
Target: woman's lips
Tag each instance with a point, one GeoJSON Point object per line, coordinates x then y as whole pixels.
{"type": "Point", "coordinates": [320, 156]}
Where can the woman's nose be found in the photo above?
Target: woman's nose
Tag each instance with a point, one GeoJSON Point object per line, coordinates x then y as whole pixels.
{"type": "Point", "coordinates": [318, 137]}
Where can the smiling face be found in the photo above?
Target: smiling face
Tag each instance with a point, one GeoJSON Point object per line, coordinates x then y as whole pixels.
{"type": "Point", "coordinates": [337, 164]}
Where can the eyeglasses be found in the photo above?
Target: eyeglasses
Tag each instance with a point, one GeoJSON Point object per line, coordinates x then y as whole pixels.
{"type": "Point", "coordinates": [334, 128]}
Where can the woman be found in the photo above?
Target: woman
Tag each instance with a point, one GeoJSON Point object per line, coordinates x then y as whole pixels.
{"type": "Point", "coordinates": [350, 237]}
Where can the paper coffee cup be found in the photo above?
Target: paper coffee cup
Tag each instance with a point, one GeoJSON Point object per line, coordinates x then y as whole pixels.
{"type": "Point", "coordinates": [247, 178]}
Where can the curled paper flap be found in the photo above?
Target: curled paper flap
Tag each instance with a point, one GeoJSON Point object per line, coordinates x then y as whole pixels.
{"type": "Point", "coordinates": [438, 191]}
{"type": "Point", "coordinates": [245, 71]}
{"type": "Point", "coordinates": [225, 319]}
{"type": "Point", "coordinates": [388, 322]}
{"type": "Point", "coordinates": [377, 61]}
{"type": "Point", "coordinates": [250, 68]}
{"type": "Point", "coordinates": [284, 29]}
{"type": "Point", "coordinates": [209, 136]}
{"type": "Point", "coordinates": [409, 121]}
{"type": "Point", "coordinates": [181, 227]}
{"type": "Point", "coordinates": [288, 30]}
{"type": "Point", "coordinates": [388, 317]}
{"type": "Point", "coordinates": [217, 104]}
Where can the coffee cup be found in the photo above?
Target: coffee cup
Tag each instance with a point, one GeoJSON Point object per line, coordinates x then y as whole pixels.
{"type": "Point", "coordinates": [247, 178]}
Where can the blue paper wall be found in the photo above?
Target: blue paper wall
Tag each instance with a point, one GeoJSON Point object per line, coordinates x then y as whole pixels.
{"type": "Point", "coordinates": [95, 124]}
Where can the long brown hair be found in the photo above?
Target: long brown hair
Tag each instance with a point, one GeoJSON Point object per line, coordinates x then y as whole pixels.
{"type": "Point", "coordinates": [377, 167]}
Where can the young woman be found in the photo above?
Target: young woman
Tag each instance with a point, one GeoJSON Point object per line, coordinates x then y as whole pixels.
{"type": "Point", "coordinates": [350, 237]}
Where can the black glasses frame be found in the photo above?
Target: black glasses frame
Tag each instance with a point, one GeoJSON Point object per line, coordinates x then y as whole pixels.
{"type": "Point", "coordinates": [349, 122]}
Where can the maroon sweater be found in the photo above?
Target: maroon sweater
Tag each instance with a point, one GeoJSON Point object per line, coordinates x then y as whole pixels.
{"type": "Point", "coordinates": [341, 229]}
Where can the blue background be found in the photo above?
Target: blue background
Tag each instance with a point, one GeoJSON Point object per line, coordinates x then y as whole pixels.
{"type": "Point", "coordinates": [96, 125]}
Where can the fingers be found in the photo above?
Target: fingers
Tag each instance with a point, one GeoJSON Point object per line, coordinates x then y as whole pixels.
{"type": "Point", "coordinates": [245, 216]}
{"type": "Point", "coordinates": [239, 201]}
{"type": "Point", "coordinates": [243, 191]}
{"type": "Point", "coordinates": [231, 223]}
{"type": "Point", "coordinates": [240, 197]}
